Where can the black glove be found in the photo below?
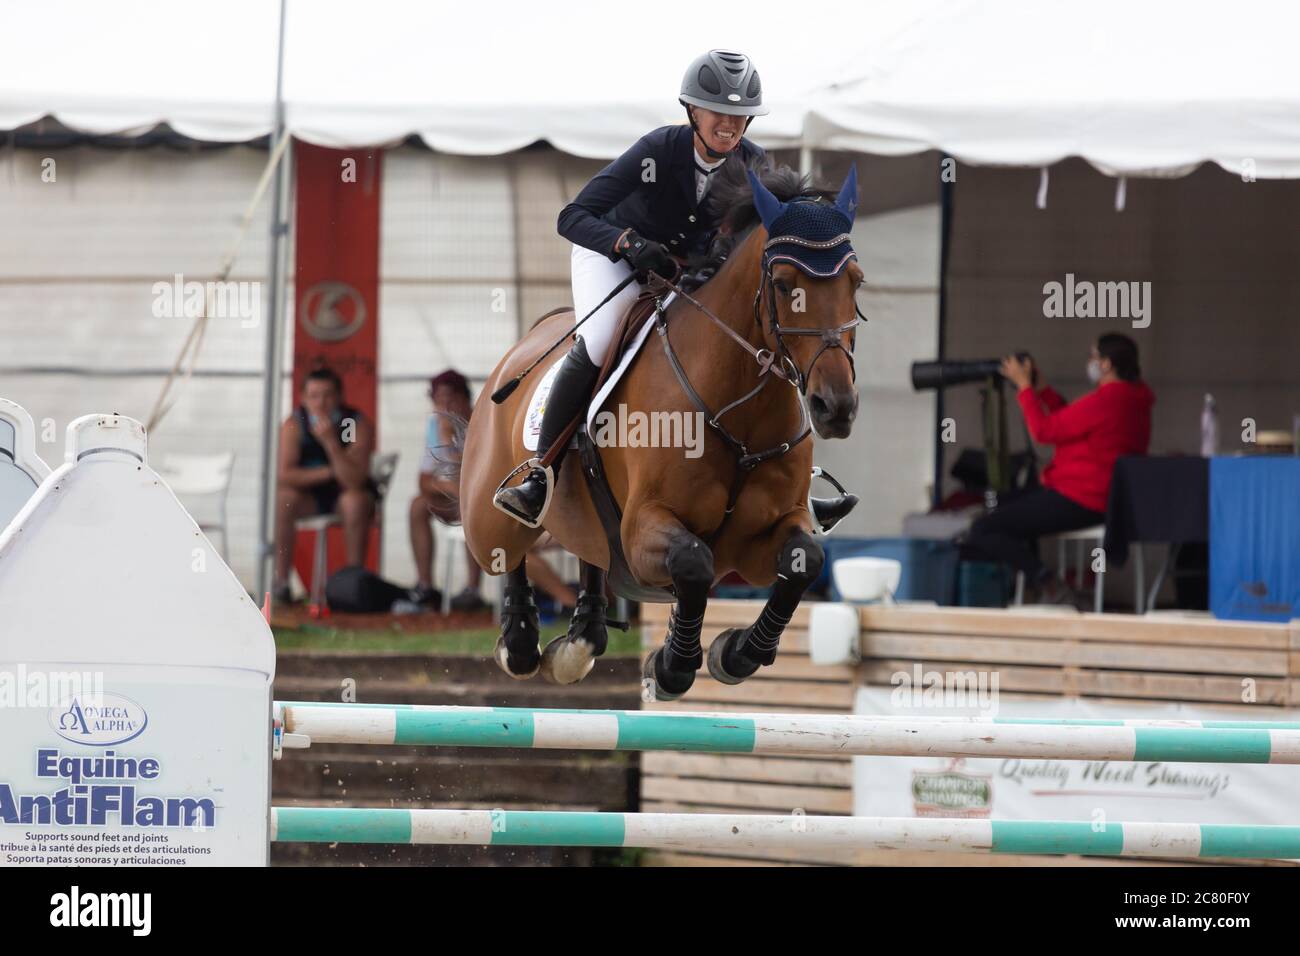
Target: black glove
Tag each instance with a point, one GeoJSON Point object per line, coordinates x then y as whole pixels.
{"type": "Point", "coordinates": [645, 256]}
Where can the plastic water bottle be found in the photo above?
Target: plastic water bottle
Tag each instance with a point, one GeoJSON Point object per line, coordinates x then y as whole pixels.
{"type": "Point", "coordinates": [1209, 428]}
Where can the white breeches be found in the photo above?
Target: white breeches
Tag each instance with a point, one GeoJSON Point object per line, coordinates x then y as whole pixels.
{"type": "Point", "coordinates": [593, 278]}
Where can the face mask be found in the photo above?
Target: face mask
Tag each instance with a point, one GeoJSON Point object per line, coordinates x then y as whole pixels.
{"type": "Point", "coordinates": [1094, 371]}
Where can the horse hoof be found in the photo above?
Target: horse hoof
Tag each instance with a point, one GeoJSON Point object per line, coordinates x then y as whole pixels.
{"type": "Point", "coordinates": [718, 654]}
{"type": "Point", "coordinates": [529, 667]}
{"type": "Point", "coordinates": [567, 660]}
{"type": "Point", "coordinates": [673, 689]}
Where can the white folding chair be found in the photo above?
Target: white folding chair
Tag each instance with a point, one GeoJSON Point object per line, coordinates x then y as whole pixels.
{"type": "Point", "coordinates": [1086, 539]}
{"type": "Point", "coordinates": [202, 482]}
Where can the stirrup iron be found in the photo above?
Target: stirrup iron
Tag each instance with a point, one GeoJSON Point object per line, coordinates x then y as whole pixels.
{"type": "Point", "coordinates": [527, 466]}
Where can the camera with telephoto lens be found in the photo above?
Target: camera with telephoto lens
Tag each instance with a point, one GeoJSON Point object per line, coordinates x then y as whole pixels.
{"type": "Point", "coordinates": [942, 373]}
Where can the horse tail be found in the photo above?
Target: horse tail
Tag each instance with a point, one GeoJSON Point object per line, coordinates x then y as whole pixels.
{"type": "Point", "coordinates": [447, 455]}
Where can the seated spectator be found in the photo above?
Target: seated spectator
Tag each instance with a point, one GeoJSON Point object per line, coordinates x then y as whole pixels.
{"type": "Point", "coordinates": [1113, 419]}
{"type": "Point", "coordinates": [438, 498]}
{"type": "Point", "coordinates": [324, 468]}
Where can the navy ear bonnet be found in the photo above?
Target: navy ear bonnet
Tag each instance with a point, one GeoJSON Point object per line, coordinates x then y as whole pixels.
{"type": "Point", "coordinates": [811, 235]}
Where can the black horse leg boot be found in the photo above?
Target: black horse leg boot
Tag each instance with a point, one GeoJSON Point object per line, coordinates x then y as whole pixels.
{"type": "Point", "coordinates": [570, 392]}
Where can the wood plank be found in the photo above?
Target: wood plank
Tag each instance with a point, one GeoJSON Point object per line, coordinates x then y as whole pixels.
{"type": "Point", "coordinates": [1123, 628]}
{"type": "Point", "coordinates": [1134, 707]}
{"type": "Point", "coordinates": [1089, 683]}
{"type": "Point", "coordinates": [782, 694]}
{"type": "Point", "coordinates": [756, 769]}
{"type": "Point", "coordinates": [770, 798]}
{"type": "Point", "coordinates": [794, 641]}
{"type": "Point", "coordinates": [1072, 654]}
{"type": "Point", "coordinates": [724, 614]}
{"type": "Point", "coordinates": [794, 667]}
{"type": "Point", "coordinates": [691, 704]}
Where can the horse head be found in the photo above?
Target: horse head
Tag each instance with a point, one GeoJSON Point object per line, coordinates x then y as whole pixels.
{"type": "Point", "coordinates": [806, 298]}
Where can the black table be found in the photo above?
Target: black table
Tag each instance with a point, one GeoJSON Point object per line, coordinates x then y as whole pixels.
{"type": "Point", "coordinates": [1159, 500]}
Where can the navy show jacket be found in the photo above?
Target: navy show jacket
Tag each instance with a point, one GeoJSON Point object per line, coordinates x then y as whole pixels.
{"type": "Point", "coordinates": [663, 209]}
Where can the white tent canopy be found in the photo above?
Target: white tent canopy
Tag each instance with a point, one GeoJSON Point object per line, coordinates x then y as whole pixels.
{"type": "Point", "coordinates": [477, 79]}
{"type": "Point", "coordinates": [1146, 87]}
{"type": "Point", "coordinates": [1132, 87]}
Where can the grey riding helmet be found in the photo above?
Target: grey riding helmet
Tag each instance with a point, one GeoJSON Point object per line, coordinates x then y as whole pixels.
{"type": "Point", "coordinates": [723, 81]}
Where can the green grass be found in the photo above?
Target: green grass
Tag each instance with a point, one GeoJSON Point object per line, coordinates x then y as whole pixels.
{"type": "Point", "coordinates": [468, 643]}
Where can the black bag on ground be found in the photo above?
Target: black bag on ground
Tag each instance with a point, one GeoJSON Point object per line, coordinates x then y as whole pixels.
{"type": "Point", "coordinates": [355, 590]}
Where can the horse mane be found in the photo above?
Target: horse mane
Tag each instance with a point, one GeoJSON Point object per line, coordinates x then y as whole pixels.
{"type": "Point", "coordinates": [730, 204]}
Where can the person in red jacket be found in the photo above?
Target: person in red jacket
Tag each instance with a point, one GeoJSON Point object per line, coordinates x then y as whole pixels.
{"type": "Point", "coordinates": [1089, 434]}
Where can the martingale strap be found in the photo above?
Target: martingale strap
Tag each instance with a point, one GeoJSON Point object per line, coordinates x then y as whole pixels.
{"type": "Point", "coordinates": [771, 364]}
{"type": "Point", "coordinates": [746, 461]}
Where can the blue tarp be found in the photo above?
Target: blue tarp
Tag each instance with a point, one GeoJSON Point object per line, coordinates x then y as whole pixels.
{"type": "Point", "coordinates": [1255, 538]}
{"type": "Point", "coordinates": [929, 567]}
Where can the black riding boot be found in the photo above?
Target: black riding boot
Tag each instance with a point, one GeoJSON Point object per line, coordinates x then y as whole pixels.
{"type": "Point", "coordinates": [570, 393]}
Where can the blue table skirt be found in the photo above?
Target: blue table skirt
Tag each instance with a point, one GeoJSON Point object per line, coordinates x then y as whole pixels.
{"type": "Point", "coordinates": [1255, 538]}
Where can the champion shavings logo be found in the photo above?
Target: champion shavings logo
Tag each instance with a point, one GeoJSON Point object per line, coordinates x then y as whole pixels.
{"type": "Point", "coordinates": [951, 793]}
{"type": "Point", "coordinates": [107, 720]}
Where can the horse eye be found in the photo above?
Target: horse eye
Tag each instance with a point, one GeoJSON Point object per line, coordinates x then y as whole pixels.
{"type": "Point", "coordinates": [780, 286]}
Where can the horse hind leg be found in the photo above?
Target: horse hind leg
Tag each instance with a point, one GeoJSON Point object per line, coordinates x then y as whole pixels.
{"type": "Point", "coordinates": [737, 653]}
{"type": "Point", "coordinates": [518, 650]}
{"type": "Point", "coordinates": [570, 658]}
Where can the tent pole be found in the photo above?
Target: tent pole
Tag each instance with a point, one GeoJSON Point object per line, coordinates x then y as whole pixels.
{"type": "Point", "coordinates": [271, 381]}
{"type": "Point", "coordinates": [945, 238]}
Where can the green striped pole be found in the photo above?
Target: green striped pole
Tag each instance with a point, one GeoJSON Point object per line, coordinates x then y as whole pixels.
{"type": "Point", "coordinates": [731, 832]}
{"type": "Point", "coordinates": [1185, 741]}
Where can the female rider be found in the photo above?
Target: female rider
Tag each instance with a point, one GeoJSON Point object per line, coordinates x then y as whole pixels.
{"type": "Point", "coordinates": [640, 214]}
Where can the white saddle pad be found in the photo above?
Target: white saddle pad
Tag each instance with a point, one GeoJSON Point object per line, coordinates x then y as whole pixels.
{"type": "Point", "coordinates": [537, 403]}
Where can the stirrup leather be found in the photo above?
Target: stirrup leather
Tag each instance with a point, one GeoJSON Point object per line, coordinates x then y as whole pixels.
{"type": "Point", "coordinates": [527, 465]}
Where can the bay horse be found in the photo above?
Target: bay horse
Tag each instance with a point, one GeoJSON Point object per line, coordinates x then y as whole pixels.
{"type": "Point", "coordinates": [775, 326]}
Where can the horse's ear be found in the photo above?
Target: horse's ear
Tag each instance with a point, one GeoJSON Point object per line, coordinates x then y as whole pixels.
{"type": "Point", "coordinates": [847, 201]}
{"type": "Point", "coordinates": [768, 206]}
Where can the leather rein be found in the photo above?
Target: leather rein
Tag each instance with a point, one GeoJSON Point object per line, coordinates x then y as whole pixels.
{"type": "Point", "coordinates": [780, 364]}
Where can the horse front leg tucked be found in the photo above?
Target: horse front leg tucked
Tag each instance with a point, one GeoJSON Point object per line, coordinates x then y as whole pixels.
{"type": "Point", "coordinates": [662, 544]}
{"type": "Point", "coordinates": [737, 653]}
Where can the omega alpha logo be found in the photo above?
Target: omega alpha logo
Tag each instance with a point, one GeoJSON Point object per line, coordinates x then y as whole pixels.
{"type": "Point", "coordinates": [108, 720]}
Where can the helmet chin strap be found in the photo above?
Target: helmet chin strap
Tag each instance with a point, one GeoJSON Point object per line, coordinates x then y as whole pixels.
{"type": "Point", "coordinates": [713, 153]}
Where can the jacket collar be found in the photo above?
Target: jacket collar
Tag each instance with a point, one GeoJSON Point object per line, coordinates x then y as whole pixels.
{"type": "Point", "coordinates": [683, 161]}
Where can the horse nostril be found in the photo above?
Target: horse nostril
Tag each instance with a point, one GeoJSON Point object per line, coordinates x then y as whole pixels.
{"type": "Point", "coordinates": [819, 407]}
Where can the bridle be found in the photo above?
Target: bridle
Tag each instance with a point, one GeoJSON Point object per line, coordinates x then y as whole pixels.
{"type": "Point", "coordinates": [832, 338]}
